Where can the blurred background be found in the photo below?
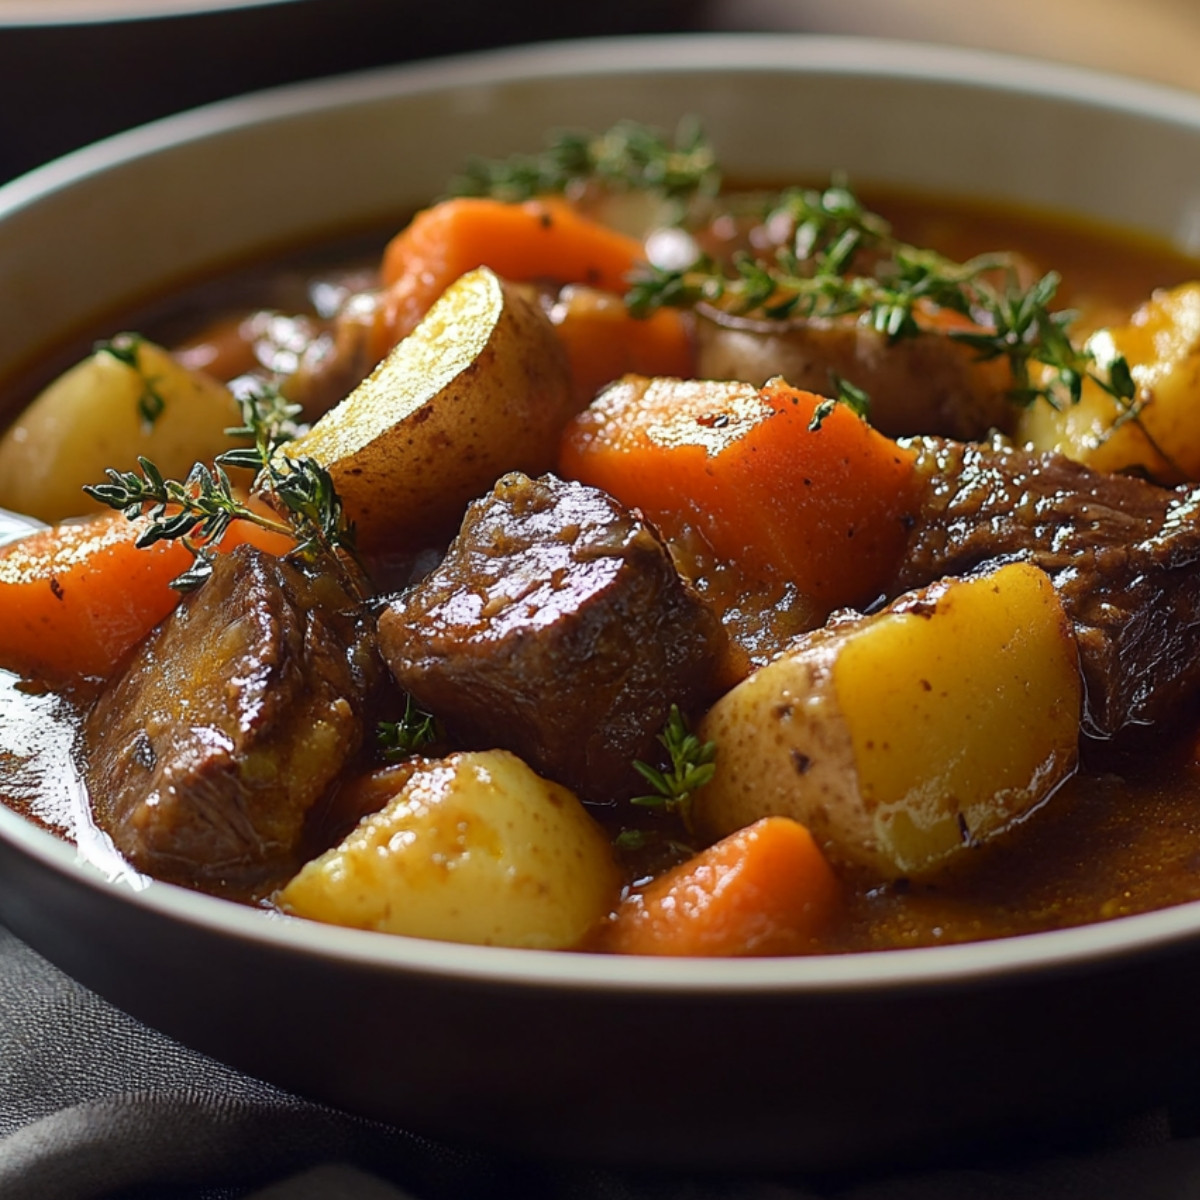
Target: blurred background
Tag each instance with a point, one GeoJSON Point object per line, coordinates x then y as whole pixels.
{"type": "Point", "coordinates": [72, 71]}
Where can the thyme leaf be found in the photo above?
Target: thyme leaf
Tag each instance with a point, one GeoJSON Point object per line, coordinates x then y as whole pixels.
{"type": "Point", "coordinates": [844, 392]}
{"type": "Point", "coordinates": [814, 275]}
{"type": "Point", "coordinates": [628, 157]}
{"type": "Point", "coordinates": [199, 510]}
{"type": "Point", "coordinates": [692, 764]}
{"type": "Point", "coordinates": [415, 730]}
{"type": "Point", "coordinates": [126, 349]}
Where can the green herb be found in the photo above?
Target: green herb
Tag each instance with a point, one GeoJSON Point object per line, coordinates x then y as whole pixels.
{"type": "Point", "coordinates": [844, 392]}
{"type": "Point", "coordinates": [126, 349]}
{"type": "Point", "coordinates": [633, 841]}
{"type": "Point", "coordinates": [692, 764]}
{"type": "Point", "coordinates": [269, 421]}
{"type": "Point", "coordinates": [814, 277]}
{"type": "Point", "coordinates": [415, 730]}
{"type": "Point", "coordinates": [628, 157]}
{"type": "Point", "coordinates": [199, 510]}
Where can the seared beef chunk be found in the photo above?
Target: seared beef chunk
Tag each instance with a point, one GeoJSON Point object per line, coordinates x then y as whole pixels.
{"type": "Point", "coordinates": [233, 717]}
{"type": "Point", "coordinates": [556, 627]}
{"type": "Point", "coordinates": [1123, 554]}
{"type": "Point", "coordinates": [925, 384]}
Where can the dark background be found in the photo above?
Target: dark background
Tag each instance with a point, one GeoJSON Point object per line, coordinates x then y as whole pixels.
{"type": "Point", "coordinates": [65, 84]}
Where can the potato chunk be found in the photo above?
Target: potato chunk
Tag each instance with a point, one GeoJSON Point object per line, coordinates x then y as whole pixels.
{"type": "Point", "coordinates": [901, 738]}
{"type": "Point", "coordinates": [474, 848]}
{"type": "Point", "coordinates": [1161, 344]}
{"type": "Point", "coordinates": [480, 387]}
{"type": "Point", "coordinates": [89, 419]}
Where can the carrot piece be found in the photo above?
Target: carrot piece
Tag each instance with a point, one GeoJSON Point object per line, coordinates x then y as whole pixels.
{"type": "Point", "coordinates": [603, 341]}
{"type": "Point", "coordinates": [766, 889]}
{"type": "Point", "coordinates": [824, 508]}
{"type": "Point", "coordinates": [539, 239]}
{"type": "Point", "coordinates": [75, 598]}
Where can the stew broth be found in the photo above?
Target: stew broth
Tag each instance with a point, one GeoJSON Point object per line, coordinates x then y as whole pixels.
{"type": "Point", "coordinates": [1123, 836]}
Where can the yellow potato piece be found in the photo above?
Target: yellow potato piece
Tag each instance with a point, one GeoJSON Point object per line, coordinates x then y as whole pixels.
{"type": "Point", "coordinates": [903, 738]}
{"type": "Point", "coordinates": [89, 419]}
{"type": "Point", "coordinates": [474, 848]}
{"type": "Point", "coordinates": [1162, 347]}
{"type": "Point", "coordinates": [479, 388]}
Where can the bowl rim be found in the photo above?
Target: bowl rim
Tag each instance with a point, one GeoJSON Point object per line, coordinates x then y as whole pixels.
{"type": "Point", "coordinates": [931, 968]}
{"type": "Point", "coordinates": [45, 14]}
{"type": "Point", "coordinates": [632, 55]}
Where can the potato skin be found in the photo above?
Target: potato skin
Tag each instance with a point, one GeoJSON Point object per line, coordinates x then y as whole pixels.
{"type": "Point", "coordinates": [903, 738]}
{"type": "Point", "coordinates": [88, 419]}
{"type": "Point", "coordinates": [474, 848]}
{"type": "Point", "coordinates": [479, 388]}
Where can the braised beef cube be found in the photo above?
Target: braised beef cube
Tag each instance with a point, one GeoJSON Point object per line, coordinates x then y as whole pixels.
{"type": "Point", "coordinates": [1124, 556]}
{"type": "Point", "coordinates": [556, 627]}
{"type": "Point", "coordinates": [232, 719]}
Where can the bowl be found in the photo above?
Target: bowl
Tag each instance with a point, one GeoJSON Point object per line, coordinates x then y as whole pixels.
{"type": "Point", "coordinates": [814, 1062]}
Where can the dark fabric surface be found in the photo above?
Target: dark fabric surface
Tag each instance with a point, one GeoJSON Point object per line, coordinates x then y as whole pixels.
{"type": "Point", "coordinates": [93, 1104]}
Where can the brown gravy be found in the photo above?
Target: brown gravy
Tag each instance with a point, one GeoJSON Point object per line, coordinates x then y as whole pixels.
{"type": "Point", "coordinates": [1122, 837]}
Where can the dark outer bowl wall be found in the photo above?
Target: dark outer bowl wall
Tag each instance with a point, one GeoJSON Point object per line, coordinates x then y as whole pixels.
{"type": "Point", "coordinates": [815, 1062]}
{"type": "Point", "coordinates": [543, 1054]}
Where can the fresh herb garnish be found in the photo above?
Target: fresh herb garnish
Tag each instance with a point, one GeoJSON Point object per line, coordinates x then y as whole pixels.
{"type": "Point", "coordinates": [692, 764]}
{"type": "Point", "coordinates": [635, 841]}
{"type": "Point", "coordinates": [126, 349]}
{"type": "Point", "coordinates": [199, 510]}
{"type": "Point", "coordinates": [629, 157]}
{"type": "Point", "coordinates": [844, 392]}
{"type": "Point", "coordinates": [813, 276]}
{"type": "Point", "coordinates": [269, 421]}
{"type": "Point", "coordinates": [415, 730]}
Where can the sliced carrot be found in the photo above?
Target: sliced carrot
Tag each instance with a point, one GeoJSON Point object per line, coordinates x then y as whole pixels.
{"type": "Point", "coordinates": [766, 889]}
{"type": "Point", "coordinates": [604, 342]}
{"type": "Point", "coordinates": [538, 240]}
{"type": "Point", "coordinates": [75, 598]}
{"type": "Point", "coordinates": [826, 508]}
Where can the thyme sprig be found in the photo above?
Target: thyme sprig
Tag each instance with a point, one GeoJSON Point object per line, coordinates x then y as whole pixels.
{"type": "Point", "coordinates": [692, 764]}
{"type": "Point", "coordinates": [126, 349]}
{"type": "Point", "coordinates": [628, 157]}
{"type": "Point", "coordinates": [199, 510]}
{"type": "Point", "coordinates": [415, 730]}
{"type": "Point", "coordinates": [814, 275]}
{"type": "Point", "coordinates": [268, 421]}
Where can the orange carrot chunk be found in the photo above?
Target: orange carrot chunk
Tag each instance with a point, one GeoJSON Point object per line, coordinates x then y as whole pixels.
{"type": "Point", "coordinates": [826, 508]}
{"type": "Point", "coordinates": [764, 890]}
{"type": "Point", "coordinates": [603, 342]}
{"type": "Point", "coordinates": [538, 240]}
{"type": "Point", "coordinates": [75, 598]}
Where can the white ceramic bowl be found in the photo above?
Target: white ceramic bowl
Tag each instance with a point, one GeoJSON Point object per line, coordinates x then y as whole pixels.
{"type": "Point", "coordinates": [784, 1062]}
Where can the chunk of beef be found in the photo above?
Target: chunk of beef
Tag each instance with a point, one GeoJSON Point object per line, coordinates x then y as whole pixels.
{"type": "Point", "coordinates": [1124, 556]}
{"type": "Point", "coordinates": [205, 755]}
{"type": "Point", "coordinates": [556, 627]}
{"type": "Point", "coordinates": [922, 385]}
